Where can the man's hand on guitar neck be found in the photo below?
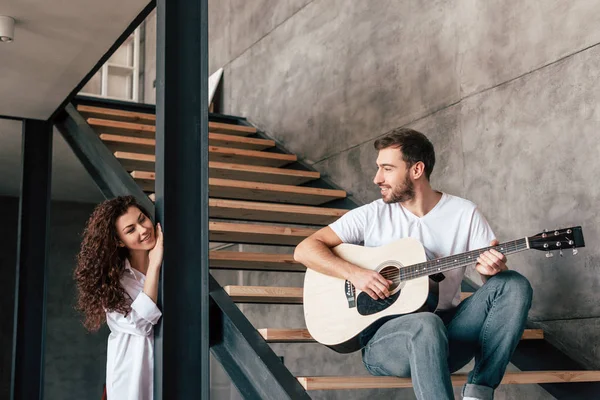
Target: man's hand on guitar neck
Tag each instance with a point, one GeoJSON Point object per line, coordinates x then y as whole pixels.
{"type": "Point", "coordinates": [370, 282]}
{"type": "Point", "coordinates": [491, 262]}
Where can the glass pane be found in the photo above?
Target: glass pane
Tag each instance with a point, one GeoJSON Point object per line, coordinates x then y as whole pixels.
{"type": "Point", "coordinates": [120, 86]}
{"type": "Point", "coordinates": [124, 55]}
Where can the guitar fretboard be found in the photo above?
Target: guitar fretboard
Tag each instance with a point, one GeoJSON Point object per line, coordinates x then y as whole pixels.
{"type": "Point", "coordinates": [457, 261]}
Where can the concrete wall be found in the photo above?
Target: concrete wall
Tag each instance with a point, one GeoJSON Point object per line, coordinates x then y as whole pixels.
{"type": "Point", "coordinates": [75, 360]}
{"type": "Point", "coordinates": [506, 90]}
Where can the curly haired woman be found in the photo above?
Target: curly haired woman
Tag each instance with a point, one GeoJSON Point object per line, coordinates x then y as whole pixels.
{"type": "Point", "coordinates": [117, 275]}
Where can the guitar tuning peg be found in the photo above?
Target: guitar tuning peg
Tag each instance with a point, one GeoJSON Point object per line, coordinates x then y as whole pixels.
{"type": "Point", "coordinates": [575, 251]}
{"type": "Point", "coordinates": [561, 253]}
{"type": "Point", "coordinates": [549, 255]}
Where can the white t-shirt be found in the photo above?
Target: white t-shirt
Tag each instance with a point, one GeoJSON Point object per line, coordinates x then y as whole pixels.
{"type": "Point", "coordinates": [453, 226]}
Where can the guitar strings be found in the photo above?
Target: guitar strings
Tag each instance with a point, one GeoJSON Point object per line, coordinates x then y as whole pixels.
{"type": "Point", "coordinates": [450, 262]}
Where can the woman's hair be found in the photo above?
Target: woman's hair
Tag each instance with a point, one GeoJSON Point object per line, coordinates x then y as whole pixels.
{"type": "Point", "coordinates": [100, 263]}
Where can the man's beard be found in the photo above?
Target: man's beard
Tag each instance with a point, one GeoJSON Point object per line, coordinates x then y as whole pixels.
{"type": "Point", "coordinates": [402, 193]}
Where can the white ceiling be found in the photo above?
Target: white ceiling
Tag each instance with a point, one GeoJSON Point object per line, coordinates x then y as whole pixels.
{"type": "Point", "coordinates": [56, 44]}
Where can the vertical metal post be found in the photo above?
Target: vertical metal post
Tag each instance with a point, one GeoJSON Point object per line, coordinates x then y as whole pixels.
{"type": "Point", "coordinates": [182, 342]}
{"type": "Point", "coordinates": [32, 255]}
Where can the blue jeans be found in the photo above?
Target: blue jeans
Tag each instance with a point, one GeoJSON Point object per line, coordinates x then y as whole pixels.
{"type": "Point", "coordinates": [428, 347]}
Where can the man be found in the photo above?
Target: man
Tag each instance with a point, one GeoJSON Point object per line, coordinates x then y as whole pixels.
{"type": "Point", "coordinates": [428, 346]}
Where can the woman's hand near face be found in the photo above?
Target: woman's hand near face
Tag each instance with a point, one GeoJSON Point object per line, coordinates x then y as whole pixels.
{"type": "Point", "coordinates": [155, 255]}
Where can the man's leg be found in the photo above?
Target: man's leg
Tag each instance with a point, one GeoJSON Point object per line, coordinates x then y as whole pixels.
{"type": "Point", "coordinates": [413, 345]}
{"type": "Point", "coordinates": [489, 325]}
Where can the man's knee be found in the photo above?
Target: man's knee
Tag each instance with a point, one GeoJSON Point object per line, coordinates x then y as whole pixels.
{"type": "Point", "coordinates": [514, 284]}
{"type": "Point", "coordinates": [429, 329]}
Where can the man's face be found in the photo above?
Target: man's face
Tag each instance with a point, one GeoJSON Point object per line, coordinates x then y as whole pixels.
{"type": "Point", "coordinates": [393, 176]}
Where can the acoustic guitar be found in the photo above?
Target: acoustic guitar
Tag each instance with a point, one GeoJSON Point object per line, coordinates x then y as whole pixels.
{"type": "Point", "coordinates": [336, 313]}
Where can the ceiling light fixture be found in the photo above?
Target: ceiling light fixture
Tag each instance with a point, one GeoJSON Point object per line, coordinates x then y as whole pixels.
{"type": "Point", "coordinates": [7, 29]}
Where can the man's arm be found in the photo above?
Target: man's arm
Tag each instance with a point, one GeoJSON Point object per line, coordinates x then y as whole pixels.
{"type": "Point", "coordinates": [315, 253]}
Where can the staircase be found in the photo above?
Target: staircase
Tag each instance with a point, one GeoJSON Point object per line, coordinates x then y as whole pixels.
{"type": "Point", "coordinates": [262, 195]}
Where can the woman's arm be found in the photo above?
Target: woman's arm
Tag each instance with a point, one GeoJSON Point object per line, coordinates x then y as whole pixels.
{"type": "Point", "coordinates": [155, 257]}
{"type": "Point", "coordinates": [144, 314]}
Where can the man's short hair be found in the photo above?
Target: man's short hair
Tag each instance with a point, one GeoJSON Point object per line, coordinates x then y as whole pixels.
{"type": "Point", "coordinates": [413, 145]}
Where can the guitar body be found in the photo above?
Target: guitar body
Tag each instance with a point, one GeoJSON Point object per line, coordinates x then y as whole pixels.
{"type": "Point", "coordinates": [331, 317]}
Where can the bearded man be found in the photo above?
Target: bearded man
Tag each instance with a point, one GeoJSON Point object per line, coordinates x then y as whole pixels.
{"type": "Point", "coordinates": [428, 346]}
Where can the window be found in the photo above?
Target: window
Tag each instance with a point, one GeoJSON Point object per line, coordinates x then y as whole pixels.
{"type": "Point", "coordinates": [119, 77]}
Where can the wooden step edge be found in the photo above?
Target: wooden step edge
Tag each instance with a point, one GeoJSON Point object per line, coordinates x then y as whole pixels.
{"type": "Point", "coordinates": [266, 294]}
{"type": "Point", "coordinates": [215, 150]}
{"type": "Point", "coordinates": [241, 139]}
{"type": "Point", "coordinates": [272, 335]}
{"type": "Point", "coordinates": [252, 153]}
{"type": "Point", "coordinates": [251, 256]}
{"type": "Point", "coordinates": [258, 170]}
{"type": "Point", "coordinates": [261, 229]}
{"type": "Point", "coordinates": [232, 128]}
{"type": "Point", "coordinates": [276, 207]}
{"type": "Point", "coordinates": [113, 112]}
{"type": "Point", "coordinates": [275, 187]}
{"type": "Point", "coordinates": [108, 137]}
{"type": "Point", "coordinates": [458, 379]}
{"type": "Point", "coordinates": [126, 155]}
{"type": "Point", "coordinates": [237, 260]}
{"type": "Point", "coordinates": [129, 126]}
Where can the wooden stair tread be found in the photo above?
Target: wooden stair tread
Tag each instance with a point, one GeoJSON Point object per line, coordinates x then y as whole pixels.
{"type": "Point", "coordinates": [144, 123]}
{"type": "Point", "coordinates": [240, 130]}
{"type": "Point", "coordinates": [252, 157]}
{"type": "Point", "coordinates": [271, 294]}
{"type": "Point", "coordinates": [272, 212]}
{"type": "Point", "coordinates": [145, 162]}
{"type": "Point", "coordinates": [224, 140]}
{"type": "Point", "coordinates": [256, 191]}
{"type": "Point", "coordinates": [214, 139]}
{"type": "Point", "coordinates": [226, 232]}
{"type": "Point", "coordinates": [458, 379]}
{"type": "Point", "coordinates": [116, 114]}
{"type": "Point", "coordinates": [250, 173]}
{"type": "Point", "coordinates": [256, 261]}
{"type": "Point", "coordinates": [264, 294]}
{"type": "Point", "coordinates": [136, 129]}
{"type": "Point", "coordinates": [272, 335]}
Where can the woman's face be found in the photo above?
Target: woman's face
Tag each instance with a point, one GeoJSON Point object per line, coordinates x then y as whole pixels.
{"type": "Point", "coordinates": [135, 230]}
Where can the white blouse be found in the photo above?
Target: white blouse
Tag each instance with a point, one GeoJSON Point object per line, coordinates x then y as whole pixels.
{"type": "Point", "coordinates": [130, 354]}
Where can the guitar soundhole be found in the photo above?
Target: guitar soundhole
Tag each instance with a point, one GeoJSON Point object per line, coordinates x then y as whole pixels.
{"type": "Point", "coordinates": [391, 272]}
{"type": "Point", "coordinates": [365, 305]}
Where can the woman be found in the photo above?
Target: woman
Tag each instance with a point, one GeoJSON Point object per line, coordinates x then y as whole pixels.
{"type": "Point", "coordinates": [117, 274]}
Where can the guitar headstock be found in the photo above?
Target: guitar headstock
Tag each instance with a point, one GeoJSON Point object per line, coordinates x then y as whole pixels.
{"type": "Point", "coordinates": [559, 239]}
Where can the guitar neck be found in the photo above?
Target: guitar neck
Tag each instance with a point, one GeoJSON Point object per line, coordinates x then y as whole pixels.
{"type": "Point", "coordinates": [459, 260]}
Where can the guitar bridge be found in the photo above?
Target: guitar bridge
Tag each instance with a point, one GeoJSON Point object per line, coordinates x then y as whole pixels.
{"type": "Point", "coordinates": [350, 294]}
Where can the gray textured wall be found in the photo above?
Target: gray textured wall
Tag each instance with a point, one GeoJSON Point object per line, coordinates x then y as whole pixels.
{"type": "Point", "coordinates": [75, 360]}
{"type": "Point", "coordinates": [506, 90]}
